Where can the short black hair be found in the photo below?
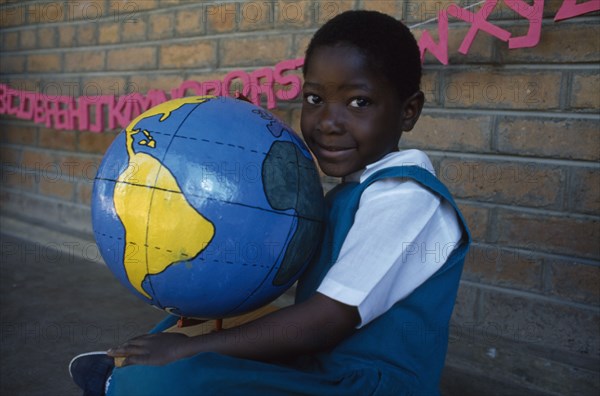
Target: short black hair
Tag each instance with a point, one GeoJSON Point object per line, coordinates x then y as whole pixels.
{"type": "Point", "coordinates": [388, 45]}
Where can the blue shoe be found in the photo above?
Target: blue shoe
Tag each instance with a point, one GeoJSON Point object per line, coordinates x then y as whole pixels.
{"type": "Point", "coordinates": [90, 371]}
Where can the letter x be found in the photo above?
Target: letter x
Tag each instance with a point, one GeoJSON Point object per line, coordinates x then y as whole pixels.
{"type": "Point", "coordinates": [478, 22]}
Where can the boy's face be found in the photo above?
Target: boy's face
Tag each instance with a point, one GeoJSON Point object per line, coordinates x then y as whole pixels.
{"type": "Point", "coordinates": [351, 117]}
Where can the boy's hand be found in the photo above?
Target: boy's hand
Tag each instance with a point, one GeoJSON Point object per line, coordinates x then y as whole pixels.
{"type": "Point", "coordinates": [151, 349]}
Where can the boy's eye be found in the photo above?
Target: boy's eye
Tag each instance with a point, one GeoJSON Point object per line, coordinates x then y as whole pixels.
{"type": "Point", "coordinates": [360, 102]}
{"type": "Point", "coordinates": [312, 99]}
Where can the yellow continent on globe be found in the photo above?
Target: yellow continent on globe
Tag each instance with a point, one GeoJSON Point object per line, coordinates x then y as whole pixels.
{"type": "Point", "coordinates": [153, 209]}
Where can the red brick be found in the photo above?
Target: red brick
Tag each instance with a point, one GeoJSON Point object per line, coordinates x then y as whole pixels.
{"type": "Point", "coordinates": [88, 11]}
{"type": "Point", "coordinates": [294, 14]}
{"type": "Point", "coordinates": [27, 39]}
{"type": "Point", "coordinates": [203, 77]}
{"type": "Point", "coordinates": [83, 61]}
{"type": "Point", "coordinates": [56, 188]}
{"type": "Point", "coordinates": [84, 192]}
{"type": "Point", "coordinates": [140, 58]}
{"type": "Point", "coordinates": [450, 133]}
{"type": "Point", "coordinates": [10, 41]}
{"type": "Point", "coordinates": [222, 17]}
{"type": "Point", "coordinates": [585, 93]}
{"type": "Point", "coordinates": [257, 16]}
{"type": "Point", "coordinates": [551, 7]}
{"type": "Point", "coordinates": [264, 50]}
{"type": "Point", "coordinates": [574, 281]}
{"type": "Point", "coordinates": [95, 142]}
{"type": "Point", "coordinates": [477, 219]}
{"type": "Point", "coordinates": [525, 184]}
{"type": "Point", "coordinates": [18, 178]}
{"type": "Point", "coordinates": [561, 234]}
{"type": "Point", "coordinates": [494, 89]}
{"type": "Point", "coordinates": [323, 11]}
{"type": "Point", "coordinates": [161, 25]}
{"type": "Point", "coordinates": [503, 267]}
{"type": "Point", "coordinates": [11, 15]}
{"type": "Point", "coordinates": [40, 63]}
{"type": "Point", "coordinates": [47, 37]}
{"type": "Point", "coordinates": [300, 44]}
{"type": "Point", "coordinates": [78, 167]}
{"type": "Point", "coordinates": [418, 11]}
{"type": "Point", "coordinates": [549, 137]}
{"type": "Point", "coordinates": [134, 30]}
{"type": "Point", "coordinates": [67, 36]}
{"type": "Point", "coordinates": [467, 302]}
{"type": "Point", "coordinates": [143, 84]}
{"type": "Point", "coordinates": [584, 191]}
{"type": "Point", "coordinates": [55, 139]}
{"type": "Point", "coordinates": [390, 7]}
{"type": "Point", "coordinates": [129, 10]}
{"type": "Point", "coordinates": [48, 12]}
{"type": "Point", "coordinates": [200, 54]}
{"type": "Point", "coordinates": [190, 22]}
{"type": "Point", "coordinates": [500, 12]}
{"type": "Point", "coordinates": [38, 160]}
{"type": "Point", "coordinates": [559, 43]}
{"type": "Point", "coordinates": [18, 134]}
{"type": "Point", "coordinates": [59, 85]}
{"type": "Point", "coordinates": [86, 34]}
{"type": "Point", "coordinates": [95, 86]}
{"type": "Point", "coordinates": [10, 155]}
{"type": "Point", "coordinates": [13, 64]}
{"type": "Point", "coordinates": [108, 33]}
{"type": "Point", "coordinates": [29, 84]}
{"type": "Point", "coordinates": [173, 82]}
{"type": "Point", "coordinates": [431, 87]}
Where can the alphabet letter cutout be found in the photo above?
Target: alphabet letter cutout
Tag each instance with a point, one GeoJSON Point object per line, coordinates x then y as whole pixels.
{"type": "Point", "coordinates": [478, 22]}
{"type": "Point", "coordinates": [570, 9]}
{"type": "Point", "coordinates": [534, 14]}
{"type": "Point", "coordinates": [440, 51]}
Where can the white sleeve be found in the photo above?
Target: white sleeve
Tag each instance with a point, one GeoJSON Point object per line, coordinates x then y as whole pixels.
{"type": "Point", "coordinates": [402, 234]}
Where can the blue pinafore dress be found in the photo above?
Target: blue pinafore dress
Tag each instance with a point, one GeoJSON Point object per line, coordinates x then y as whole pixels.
{"type": "Point", "coordinates": [402, 352]}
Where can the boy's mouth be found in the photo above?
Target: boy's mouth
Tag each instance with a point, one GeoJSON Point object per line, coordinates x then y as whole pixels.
{"type": "Point", "coordinates": [324, 150]}
{"type": "Point", "coordinates": [335, 148]}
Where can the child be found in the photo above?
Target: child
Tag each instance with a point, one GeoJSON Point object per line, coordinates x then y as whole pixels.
{"type": "Point", "coordinates": [372, 310]}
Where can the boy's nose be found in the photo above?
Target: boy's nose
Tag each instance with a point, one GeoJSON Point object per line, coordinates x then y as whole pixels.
{"type": "Point", "coordinates": [331, 119]}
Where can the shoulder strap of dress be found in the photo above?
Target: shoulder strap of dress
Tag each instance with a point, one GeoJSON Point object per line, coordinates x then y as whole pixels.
{"type": "Point", "coordinates": [425, 178]}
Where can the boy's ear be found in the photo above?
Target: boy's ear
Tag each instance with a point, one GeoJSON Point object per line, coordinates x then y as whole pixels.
{"type": "Point", "coordinates": [411, 110]}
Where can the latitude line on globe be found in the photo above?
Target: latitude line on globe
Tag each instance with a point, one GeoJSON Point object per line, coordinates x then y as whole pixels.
{"type": "Point", "coordinates": [208, 198]}
{"type": "Point", "coordinates": [199, 257]}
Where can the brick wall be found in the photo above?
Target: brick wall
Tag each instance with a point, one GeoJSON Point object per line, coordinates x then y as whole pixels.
{"type": "Point", "coordinates": [515, 135]}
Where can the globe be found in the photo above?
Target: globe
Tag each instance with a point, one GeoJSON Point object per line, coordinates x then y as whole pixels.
{"type": "Point", "coordinates": [207, 207]}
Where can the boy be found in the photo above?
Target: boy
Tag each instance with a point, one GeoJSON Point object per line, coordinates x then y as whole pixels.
{"type": "Point", "coordinates": [372, 310]}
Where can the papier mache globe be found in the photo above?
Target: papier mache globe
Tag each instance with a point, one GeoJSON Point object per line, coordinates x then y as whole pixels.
{"type": "Point", "coordinates": [207, 207]}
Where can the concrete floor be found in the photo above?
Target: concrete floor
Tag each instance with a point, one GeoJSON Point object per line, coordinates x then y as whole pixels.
{"type": "Point", "coordinates": [57, 299]}
{"type": "Point", "coordinates": [53, 306]}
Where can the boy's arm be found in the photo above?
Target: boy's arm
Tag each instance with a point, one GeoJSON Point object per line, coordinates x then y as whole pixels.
{"type": "Point", "coordinates": [316, 324]}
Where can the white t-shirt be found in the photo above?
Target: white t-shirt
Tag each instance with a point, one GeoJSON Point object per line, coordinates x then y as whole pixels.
{"type": "Point", "coordinates": [402, 234]}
